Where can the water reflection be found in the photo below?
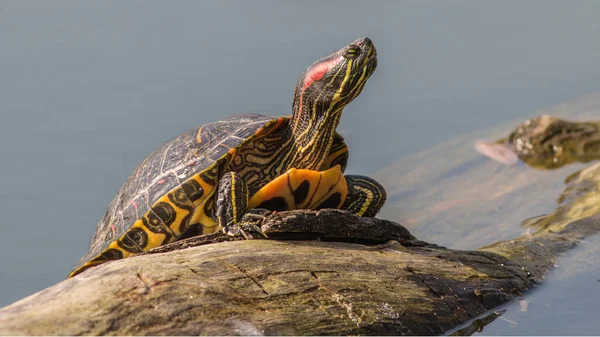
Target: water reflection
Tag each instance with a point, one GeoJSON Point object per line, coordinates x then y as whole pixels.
{"type": "Point", "coordinates": [478, 325]}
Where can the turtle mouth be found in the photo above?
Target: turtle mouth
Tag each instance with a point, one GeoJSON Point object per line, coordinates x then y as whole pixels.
{"type": "Point", "coordinates": [372, 61]}
{"type": "Point", "coordinates": [370, 64]}
{"type": "Point", "coordinates": [369, 48]}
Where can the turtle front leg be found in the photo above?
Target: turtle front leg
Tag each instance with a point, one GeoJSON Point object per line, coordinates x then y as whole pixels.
{"type": "Point", "coordinates": [295, 189]}
{"type": "Point", "coordinates": [365, 196]}
{"type": "Point", "coordinates": [232, 207]}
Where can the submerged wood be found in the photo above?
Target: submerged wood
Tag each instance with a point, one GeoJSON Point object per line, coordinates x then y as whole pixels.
{"type": "Point", "coordinates": [321, 273]}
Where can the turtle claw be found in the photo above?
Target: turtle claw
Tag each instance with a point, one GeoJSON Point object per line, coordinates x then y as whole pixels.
{"type": "Point", "coordinates": [248, 230]}
{"type": "Point", "coordinates": [252, 231]}
{"type": "Point", "coordinates": [256, 215]}
{"type": "Point", "coordinates": [249, 226]}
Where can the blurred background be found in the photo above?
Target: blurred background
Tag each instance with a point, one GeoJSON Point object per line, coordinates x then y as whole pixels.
{"type": "Point", "coordinates": [89, 88]}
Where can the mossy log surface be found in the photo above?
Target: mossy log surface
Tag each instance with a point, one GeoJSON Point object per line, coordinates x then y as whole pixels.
{"type": "Point", "coordinates": [364, 276]}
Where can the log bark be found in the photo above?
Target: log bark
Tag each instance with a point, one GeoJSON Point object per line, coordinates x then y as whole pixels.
{"type": "Point", "coordinates": [320, 273]}
{"type": "Point", "coordinates": [341, 275]}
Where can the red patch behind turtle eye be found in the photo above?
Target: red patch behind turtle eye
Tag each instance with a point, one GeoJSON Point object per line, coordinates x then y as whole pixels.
{"type": "Point", "coordinates": [317, 71]}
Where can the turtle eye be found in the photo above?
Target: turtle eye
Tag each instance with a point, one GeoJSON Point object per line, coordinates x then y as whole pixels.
{"type": "Point", "coordinates": [351, 52]}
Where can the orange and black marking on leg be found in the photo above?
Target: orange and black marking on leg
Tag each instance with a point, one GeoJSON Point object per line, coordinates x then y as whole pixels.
{"type": "Point", "coordinates": [302, 189]}
{"type": "Point", "coordinates": [366, 196]}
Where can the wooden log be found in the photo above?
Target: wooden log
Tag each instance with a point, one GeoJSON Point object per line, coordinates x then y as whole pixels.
{"type": "Point", "coordinates": [321, 273]}
{"type": "Point", "coordinates": [347, 276]}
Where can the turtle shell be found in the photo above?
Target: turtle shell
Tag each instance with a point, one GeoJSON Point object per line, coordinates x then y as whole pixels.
{"type": "Point", "coordinates": [181, 171]}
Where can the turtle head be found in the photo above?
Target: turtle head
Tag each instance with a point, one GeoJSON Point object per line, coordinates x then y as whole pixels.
{"type": "Point", "coordinates": [332, 82]}
{"type": "Point", "coordinates": [323, 91]}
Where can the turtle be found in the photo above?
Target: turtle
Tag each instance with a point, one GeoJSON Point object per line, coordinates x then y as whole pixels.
{"type": "Point", "coordinates": [211, 177]}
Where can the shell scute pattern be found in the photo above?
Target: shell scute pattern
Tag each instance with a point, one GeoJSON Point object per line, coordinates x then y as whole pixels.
{"type": "Point", "coordinates": [163, 185]}
{"type": "Point", "coordinates": [245, 132]}
{"type": "Point", "coordinates": [219, 151]}
{"type": "Point", "coordinates": [193, 165]}
{"type": "Point", "coordinates": [131, 211]}
{"type": "Point", "coordinates": [173, 218]}
{"type": "Point", "coordinates": [184, 210]}
{"type": "Point", "coordinates": [133, 240]}
{"type": "Point", "coordinates": [182, 172]}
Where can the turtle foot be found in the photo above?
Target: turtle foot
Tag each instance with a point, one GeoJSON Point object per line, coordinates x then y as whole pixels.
{"type": "Point", "coordinates": [247, 230]}
{"type": "Point", "coordinates": [249, 226]}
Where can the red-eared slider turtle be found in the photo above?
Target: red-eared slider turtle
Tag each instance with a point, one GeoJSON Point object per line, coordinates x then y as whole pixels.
{"type": "Point", "coordinates": [212, 175]}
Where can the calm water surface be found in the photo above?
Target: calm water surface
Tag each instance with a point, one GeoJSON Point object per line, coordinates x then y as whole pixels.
{"type": "Point", "coordinates": [566, 304]}
{"type": "Point", "coordinates": [89, 89]}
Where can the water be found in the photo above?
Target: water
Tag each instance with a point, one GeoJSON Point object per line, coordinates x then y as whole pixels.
{"type": "Point", "coordinates": [567, 304]}
{"type": "Point", "coordinates": [89, 89]}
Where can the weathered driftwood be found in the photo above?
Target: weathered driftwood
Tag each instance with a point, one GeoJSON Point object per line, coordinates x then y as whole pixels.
{"type": "Point", "coordinates": [403, 286]}
{"type": "Point", "coordinates": [363, 276]}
